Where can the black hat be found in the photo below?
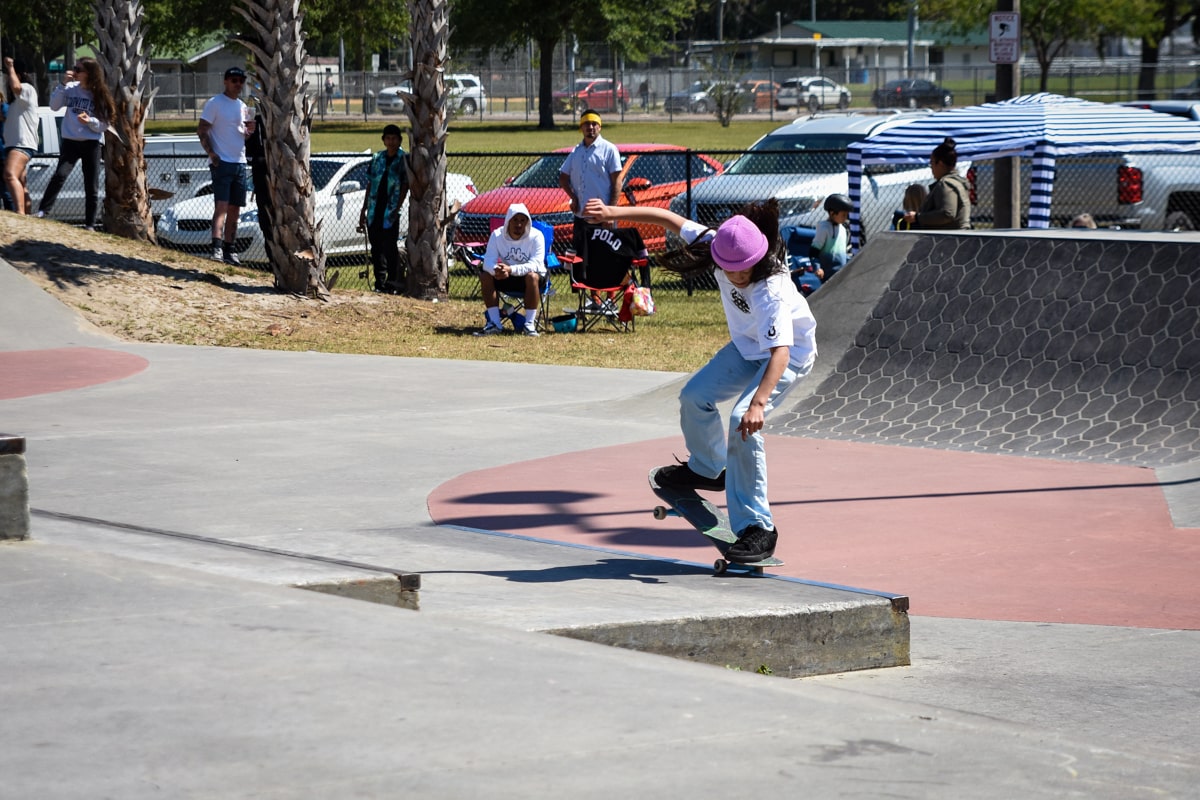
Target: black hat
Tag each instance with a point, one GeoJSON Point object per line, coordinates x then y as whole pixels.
{"type": "Point", "coordinates": [838, 202]}
{"type": "Point", "coordinates": [392, 130]}
{"type": "Point", "coordinates": [235, 72]}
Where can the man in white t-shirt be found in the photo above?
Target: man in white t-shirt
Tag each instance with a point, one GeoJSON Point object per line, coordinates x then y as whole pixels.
{"type": "Point", "coordinates": [224, 127]}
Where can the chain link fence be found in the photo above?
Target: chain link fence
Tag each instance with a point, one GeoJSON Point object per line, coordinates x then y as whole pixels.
{"type": "Point", "coordinates": [1140, 191]}
{"type": "Point", "coordinates": [501, 91]}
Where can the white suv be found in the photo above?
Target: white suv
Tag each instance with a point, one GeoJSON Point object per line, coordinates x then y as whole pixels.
{"type": "Point", "coordinates": [812, 93]}
{"type": "Point", "coordinates": [465, 92]}
{"type": "Point", "coordinates": [800, 164]}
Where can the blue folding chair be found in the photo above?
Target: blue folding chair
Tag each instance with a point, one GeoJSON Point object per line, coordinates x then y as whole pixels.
{"type": "Point", "coordinates": [797, 241]}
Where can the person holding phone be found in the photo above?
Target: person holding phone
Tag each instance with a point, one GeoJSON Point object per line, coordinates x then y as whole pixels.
{"type": "Point", "coordinates": [225, 124]}
{"type": "Point", "coordinates": [89, 107]}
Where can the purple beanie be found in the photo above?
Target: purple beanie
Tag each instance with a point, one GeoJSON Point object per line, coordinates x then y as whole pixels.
{"type": "Point", "coordinates": [738, 245]}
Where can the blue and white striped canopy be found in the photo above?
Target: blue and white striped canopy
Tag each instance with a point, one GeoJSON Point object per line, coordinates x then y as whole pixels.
{"type": "Point", "coordinates": [1038, 126]}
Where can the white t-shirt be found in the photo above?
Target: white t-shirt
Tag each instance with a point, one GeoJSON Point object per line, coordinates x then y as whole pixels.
{"type": "Point", "coordinates": [228, 134]}
{"type": "Point", "coordinates": [21, 125]}
{"type": "Point", "coordinates": [765, 314]}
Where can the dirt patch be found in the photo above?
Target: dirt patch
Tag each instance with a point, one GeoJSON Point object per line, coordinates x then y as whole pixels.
{"type": "Point", "coordinates": [145, 293]}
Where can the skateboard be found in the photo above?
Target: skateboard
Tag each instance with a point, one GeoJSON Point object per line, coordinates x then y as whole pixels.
{"type": "Point", "coordinates": [708, 520]}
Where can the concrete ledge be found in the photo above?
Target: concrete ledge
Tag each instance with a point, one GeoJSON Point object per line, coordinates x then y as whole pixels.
{"type": "Point", "coordinates": [14, 488]}
{"type": "Point", "coordinates": [789, 643]}
{"type": "Point", "coordinates": [386, 592]}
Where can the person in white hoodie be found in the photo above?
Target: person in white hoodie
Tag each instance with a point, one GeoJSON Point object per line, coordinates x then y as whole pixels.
{"type": "Point", "coordinates": [515, 262]}
{"type": "Point", "coordinates": [89, 108]}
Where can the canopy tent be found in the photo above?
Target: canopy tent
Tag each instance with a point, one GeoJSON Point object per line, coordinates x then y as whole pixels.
{"type": "Point", "coordinates": [1038, 126]}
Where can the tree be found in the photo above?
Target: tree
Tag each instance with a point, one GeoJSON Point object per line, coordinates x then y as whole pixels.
{"type": "Point", "coordinates": [1153, 21]}
{"type": "Point", "coordinates": [297, 257]}
{"type": "Point", "coordinates": [426, 243]}
{"type": "Point", "coordinates": [39, 32]}
{"type": "Point", "coordinates": [126, 201]}
{"type": "Point", "coordinates": [635, 27]}
{"type": "Point", "coordinates": [1048, 26]}
{"type": "Point", "coordinates": [366, 26]}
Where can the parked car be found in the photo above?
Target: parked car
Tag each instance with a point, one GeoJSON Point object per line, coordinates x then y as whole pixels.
{"type": "Point", "coordinates": [465, 91]}
{"type": "Point", "coordinates": [701, 97]}
{"type": "Point", "coordinates": [389, 101]}
{"type": "Point", "coordinates": [758, 95]}
{"type": "Point", "coordinates": [1189, 92]}
{"type": "Point", "coordinates": [651, 174]}
{"type": "Point", "coordinates": [695, 99]}
{"type": "Point", "coordinates": [1189, 109]}
{"type": "Point", "coordinates": [176, 167]}
{"type": "Point", "coordinates": [594, 93]}
{"type": "Point", "coordinates": [813, 93]}
{"type": "Point", "coordinates": [802, 163]}
{"type": "Point", "coordinates": [911, 93]}
{"type": "Point", "coordinates": [339, 181]}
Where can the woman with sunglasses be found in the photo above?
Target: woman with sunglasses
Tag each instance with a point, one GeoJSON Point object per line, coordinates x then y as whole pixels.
{"type": "Point", "coordinates": [89, 107]}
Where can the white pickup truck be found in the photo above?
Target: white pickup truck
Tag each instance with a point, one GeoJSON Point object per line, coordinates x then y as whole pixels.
{"type": "Point", "coordinates": [1149, 191]}
{"type": "Point", "coordinates": [176, 167]}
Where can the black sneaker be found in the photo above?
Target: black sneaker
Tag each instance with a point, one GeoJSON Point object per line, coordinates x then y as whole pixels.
{"type": "Point", "coordinates": [680, 476]}
{"type": "Point", "coordinates": [755, 543]}
{"type": "Point", "coordinates": [230, 256]}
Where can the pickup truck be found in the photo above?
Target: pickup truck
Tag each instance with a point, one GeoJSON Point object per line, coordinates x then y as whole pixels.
{"type": "Point", "coordinates": [176, 168]}
{"type": "Point", "coordinates": [1150, 191]}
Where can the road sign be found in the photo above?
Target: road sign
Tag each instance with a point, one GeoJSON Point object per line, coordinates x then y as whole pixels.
{"type": "Point", "coordinates": [1004, 37]}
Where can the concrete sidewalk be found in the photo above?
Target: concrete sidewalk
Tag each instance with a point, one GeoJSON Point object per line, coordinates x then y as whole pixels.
{"type": "Point", "coordinates": [139, 664]}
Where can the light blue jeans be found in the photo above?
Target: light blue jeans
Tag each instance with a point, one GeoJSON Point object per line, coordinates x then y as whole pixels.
{"type": "Point", "coordinates": [714, 445]}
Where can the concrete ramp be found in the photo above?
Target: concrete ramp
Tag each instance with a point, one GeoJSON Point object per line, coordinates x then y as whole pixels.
{"type": "Point", "coordinates": [1049, 343]}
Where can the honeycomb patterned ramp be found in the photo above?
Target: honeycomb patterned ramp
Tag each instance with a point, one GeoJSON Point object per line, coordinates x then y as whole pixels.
{"type": "Point", "coordinates": [1056, 346]}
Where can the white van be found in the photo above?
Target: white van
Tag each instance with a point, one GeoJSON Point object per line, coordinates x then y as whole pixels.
{"type": "Point", "coordinates": [176, 167]}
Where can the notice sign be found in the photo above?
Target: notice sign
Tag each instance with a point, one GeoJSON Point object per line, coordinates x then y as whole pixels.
{"type": "Point", "coordinates": [1004, 37]}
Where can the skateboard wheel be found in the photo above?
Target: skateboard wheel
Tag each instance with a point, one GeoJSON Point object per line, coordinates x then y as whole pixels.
{"type": "Point", "coordinates": [720, 566]}
{"type": "Point", "coordinates": [660, 512]}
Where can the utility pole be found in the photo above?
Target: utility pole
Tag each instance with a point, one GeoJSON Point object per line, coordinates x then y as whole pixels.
{"type": "Point", "coordinates": [1006, 200]}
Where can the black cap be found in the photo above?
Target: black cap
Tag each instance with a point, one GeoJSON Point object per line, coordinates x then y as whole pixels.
{"type": "Point", "coordinates": [392, 130]}
{"type": "Point", "coordinates": [235, 72]}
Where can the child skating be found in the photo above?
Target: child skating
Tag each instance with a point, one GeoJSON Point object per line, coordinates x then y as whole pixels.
{"type": "Point", "coordinates": [772, 346]}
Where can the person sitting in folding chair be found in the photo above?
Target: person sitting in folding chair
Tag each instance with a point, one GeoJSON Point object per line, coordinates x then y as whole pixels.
{"type": "Point", "coordinates": [601, 279]}
{"type": "Point", "coordinates": [515, 262]}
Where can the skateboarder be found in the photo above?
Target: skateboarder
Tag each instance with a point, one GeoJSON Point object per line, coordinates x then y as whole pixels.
{"type": "Point", "coordinates": [772, 346]}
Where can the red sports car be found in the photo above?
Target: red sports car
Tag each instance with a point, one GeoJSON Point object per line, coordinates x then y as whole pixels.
{"type": "Point", "coordinates": [651, 174]}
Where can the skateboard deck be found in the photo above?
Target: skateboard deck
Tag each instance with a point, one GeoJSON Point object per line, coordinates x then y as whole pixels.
{"type": "Point", "coordinates": [708, 520]}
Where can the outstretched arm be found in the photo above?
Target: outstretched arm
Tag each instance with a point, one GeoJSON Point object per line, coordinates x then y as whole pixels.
{"type": "Point", "coordinates": [597, 212]}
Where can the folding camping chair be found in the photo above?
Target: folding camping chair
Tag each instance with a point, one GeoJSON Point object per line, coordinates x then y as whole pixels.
{"type": "Point", "coordinates": [798, 241]}
{"type": "Point", "coordinates": [602, 273]}
{"type": "Point", "coordinates": [512, 303]}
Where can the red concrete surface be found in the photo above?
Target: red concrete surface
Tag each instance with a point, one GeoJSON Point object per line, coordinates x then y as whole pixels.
{"type": "Point", "coordinates": [964, 535]}
{"type": "Point", "coordinates": [25, 373]}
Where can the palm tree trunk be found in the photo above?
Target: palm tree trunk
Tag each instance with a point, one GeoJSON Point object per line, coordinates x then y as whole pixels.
{"type": "Point", "coordinates": [426, 241]}
{"type": "Point", "coordinates": [297, 257]}
{"type": "Point", "coordinates": [126, 201]}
